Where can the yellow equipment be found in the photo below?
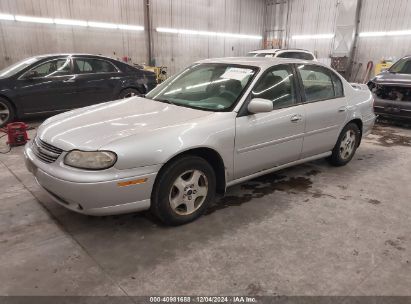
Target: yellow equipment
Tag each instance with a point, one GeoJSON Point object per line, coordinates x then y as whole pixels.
{"type": "Point", "coordinates": [161, 72]}
{"type": "Point", "coordinates": [382, 66]}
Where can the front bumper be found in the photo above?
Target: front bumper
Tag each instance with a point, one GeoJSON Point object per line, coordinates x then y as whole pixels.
{"type": "Point", "coordinates": [99, 194]}
{"type": "Point", "coordinates": [392, 108]}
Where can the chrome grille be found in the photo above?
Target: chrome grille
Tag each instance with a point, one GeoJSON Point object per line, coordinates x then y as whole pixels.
{"type": "Point", "coordinates": [45, 152]}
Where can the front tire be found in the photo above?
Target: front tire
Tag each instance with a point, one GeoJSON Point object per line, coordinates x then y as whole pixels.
{"type": "Point", "coordinates": [127, 93]}
{"type": "Point", "coordinates": [346, 145]}
{"type": "Point", "coordinates": [183, 191]}
{"type": "Point", "coordinates": [7, 113]}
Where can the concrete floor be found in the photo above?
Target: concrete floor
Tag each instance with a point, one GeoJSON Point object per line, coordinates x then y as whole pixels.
{"type": "Point", "coordinates": [309, 230]}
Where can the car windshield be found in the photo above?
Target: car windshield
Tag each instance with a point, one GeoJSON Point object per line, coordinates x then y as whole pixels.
{"type": "Point", "coordinates": [213, 87]}
{"type": "Point", "coordinates": [17, 67]}
{"type": "Point", "coordinates": [402, 66]}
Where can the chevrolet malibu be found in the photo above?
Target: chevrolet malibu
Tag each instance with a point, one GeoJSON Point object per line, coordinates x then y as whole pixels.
{"type": "Point", "coordinates": [218, 123]}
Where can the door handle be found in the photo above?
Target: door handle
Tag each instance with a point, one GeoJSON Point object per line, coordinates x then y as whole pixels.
{"type": "Point", "coordinates": [70, 80]}
{"type": "Point", "coordinates": [296, 118]}
{"type": "Point", "coordinates": [342, 109]}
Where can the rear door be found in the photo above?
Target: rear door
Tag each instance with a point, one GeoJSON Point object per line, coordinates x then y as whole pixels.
{"type": "Point", "coordinates": [325, 107]}
{"type": "Point", "coordinates": [267, 140]}
{"type": "Point", "coordinates": [97, 80]}
{"type": "Point", "coordinates": [50, 87]}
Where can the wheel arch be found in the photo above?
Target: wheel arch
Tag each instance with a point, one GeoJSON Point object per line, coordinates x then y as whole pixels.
{"type": "Point", "coordinates": [212, 157]}
{"type": "Point", "coordinates": [12, 104]}
{"type": "Point", "coordinates": [359, 124]}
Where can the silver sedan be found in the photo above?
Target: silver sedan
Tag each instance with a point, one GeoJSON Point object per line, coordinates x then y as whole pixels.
{"type": "Point", "coordinates": [217, 123]}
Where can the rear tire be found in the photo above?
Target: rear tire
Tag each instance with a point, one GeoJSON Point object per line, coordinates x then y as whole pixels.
{"type": "Point", "coordinates": [183, 190]}
{"type": "Point", "coordinates": [130, 92]}
{"type": "Point", "coordinates": [346, 145]}
{"type": "Point", "coordinates": [7, 113]}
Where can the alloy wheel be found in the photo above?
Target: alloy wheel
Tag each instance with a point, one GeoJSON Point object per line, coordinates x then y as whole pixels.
{"type": "Point", "coordinates": [188, 192]}
{"type": "Point", "coordinates": [347, 145]}
{"type": "Point", "coordinates": [130, 94]}
{"type": "Point", "coordinates": [4, 113]}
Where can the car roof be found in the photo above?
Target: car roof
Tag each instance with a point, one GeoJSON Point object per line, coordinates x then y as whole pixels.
{"type": "Point", "coordinates": [261, 62]}
{"type": "Point", "coordinates": [271, 51]}
{"type": "Point", "coordinates": [39, 57]}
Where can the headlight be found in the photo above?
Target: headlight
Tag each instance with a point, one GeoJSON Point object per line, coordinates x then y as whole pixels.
{"type": "Point", "coordinates": [97, 160]}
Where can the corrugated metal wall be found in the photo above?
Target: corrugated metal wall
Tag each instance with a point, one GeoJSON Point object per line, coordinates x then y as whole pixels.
{"type": "Point", "coordinates": [231, 16]}
{"type": "Point", "coordinates": [19, 40]}
{"type": "Point", "coordinates": [307, 17]}
{"type": "Point", "coordinates": [383, 15]}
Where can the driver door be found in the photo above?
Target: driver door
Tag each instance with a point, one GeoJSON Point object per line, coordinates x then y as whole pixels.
{"type": "Point", "coordinates": [267, 140]}
{"type": "Point", "coordinates": [51, 87]}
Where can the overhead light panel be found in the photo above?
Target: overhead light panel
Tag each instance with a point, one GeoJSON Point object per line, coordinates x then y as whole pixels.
{"type": "Point", "coordinates": [317, 36]}
{"type": "Point", "coordinates": [33, 19]}
{"type": "Point", "coordinates": [102, 25]}
{"type": "Point", "coordinates": [70, 22]}
{"type": "Point", "coordinates": [385, 34]}
{"type": "Point", "coordinates": [206, 33]}
{"type": "Point", "coordinates": [6, 17]}
{"type": "Point", "coordinates": [128, 27]}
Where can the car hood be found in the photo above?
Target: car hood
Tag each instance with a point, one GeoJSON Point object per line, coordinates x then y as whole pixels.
{"type": "Point", "coordinates": [93, 127]}
{"type": "Point", "coordinates": [393, 79]}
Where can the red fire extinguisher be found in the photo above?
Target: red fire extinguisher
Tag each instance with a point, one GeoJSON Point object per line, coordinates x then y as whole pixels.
{"type": "Point", "coordinates": [17, 134]}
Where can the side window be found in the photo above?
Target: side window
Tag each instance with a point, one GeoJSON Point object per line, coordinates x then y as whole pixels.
{"type": "Point", "coordinates": [286, 55]}
{"type": "Point", "coordinates": [306, 56]}
{"type": "Point", "coordinates": [277, 85]}
{"type": "Point", "coordinates": [90, 65]}
{"type": "Point", "coordinates": [317, 82]}
{"type": "Point", "coordinates": [338, 86]}
{"type": "Point", "coordinates": [58, 67]}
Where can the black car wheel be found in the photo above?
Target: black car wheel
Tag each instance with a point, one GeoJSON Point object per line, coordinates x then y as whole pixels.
{"type": "Point", "coordinates": [130, 92]}
{"type": "Point", "coordinates": [346, 145]}
{"type": "Point", "coordinates": [6, 112]}
{"type": "Point", "coordinates": [183, 191]}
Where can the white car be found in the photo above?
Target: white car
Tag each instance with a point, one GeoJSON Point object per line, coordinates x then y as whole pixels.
{"type": "Point", "coordinates": [218, 123]}
{"type": "Point", "coordinates": [284, 53]}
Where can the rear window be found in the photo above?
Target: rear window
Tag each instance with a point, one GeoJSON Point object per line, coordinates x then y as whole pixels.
{"type": "Point", "coordinates": [296, 55]}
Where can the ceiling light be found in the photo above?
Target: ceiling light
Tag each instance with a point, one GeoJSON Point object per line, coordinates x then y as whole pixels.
{"type": "Point", "coordinates": [6, 17]}
{"type": "Point", "coordinates": [384, 34]}
{"type": "Point", "coordinates": [205, 33]}
{"type": "Point", "coordinates": [70, 22]}
{"type": "Point", "coordinates": [130, 27]}
{"type": "Point", "coordinates": [33, 19]}
{"type": "Point", "coordinates": [102, 25]}
{"type": "Point", "coordinates": [317, 36]}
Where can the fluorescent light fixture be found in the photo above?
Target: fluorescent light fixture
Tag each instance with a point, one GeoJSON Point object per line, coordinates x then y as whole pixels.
{"type": "Point", "coordinates": [6, 17]}
{"type": "Point", "coordinates": [102, 25]}
{"type": "Point", "coordinates": [317, 36]}
{"type": "Point", "coordinates": [70, 22]}
{"type": "Point", "coordinates": [128, 27]}
{"type": "Point", "coordinates": [205, 33]}
{"type": "Point", "coordinates": [33, 19]}
{"type": "Point", "coordinates": [385, 34]}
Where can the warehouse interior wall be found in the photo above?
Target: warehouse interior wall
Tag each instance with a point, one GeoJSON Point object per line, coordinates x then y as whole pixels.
{"type": "Point", "coordinates": [312, 17]}
{"type": "Point", "coordinates": [19, 40]}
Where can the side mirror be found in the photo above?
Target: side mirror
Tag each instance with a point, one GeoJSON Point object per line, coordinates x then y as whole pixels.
{"type": "Point", "coordinates": [260, 105]}
{"type": "Point", "coordinates": [31, 74]}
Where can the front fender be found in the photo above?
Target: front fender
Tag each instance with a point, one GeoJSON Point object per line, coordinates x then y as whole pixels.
{"type": "Point", "coordinates": [158, 146]}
